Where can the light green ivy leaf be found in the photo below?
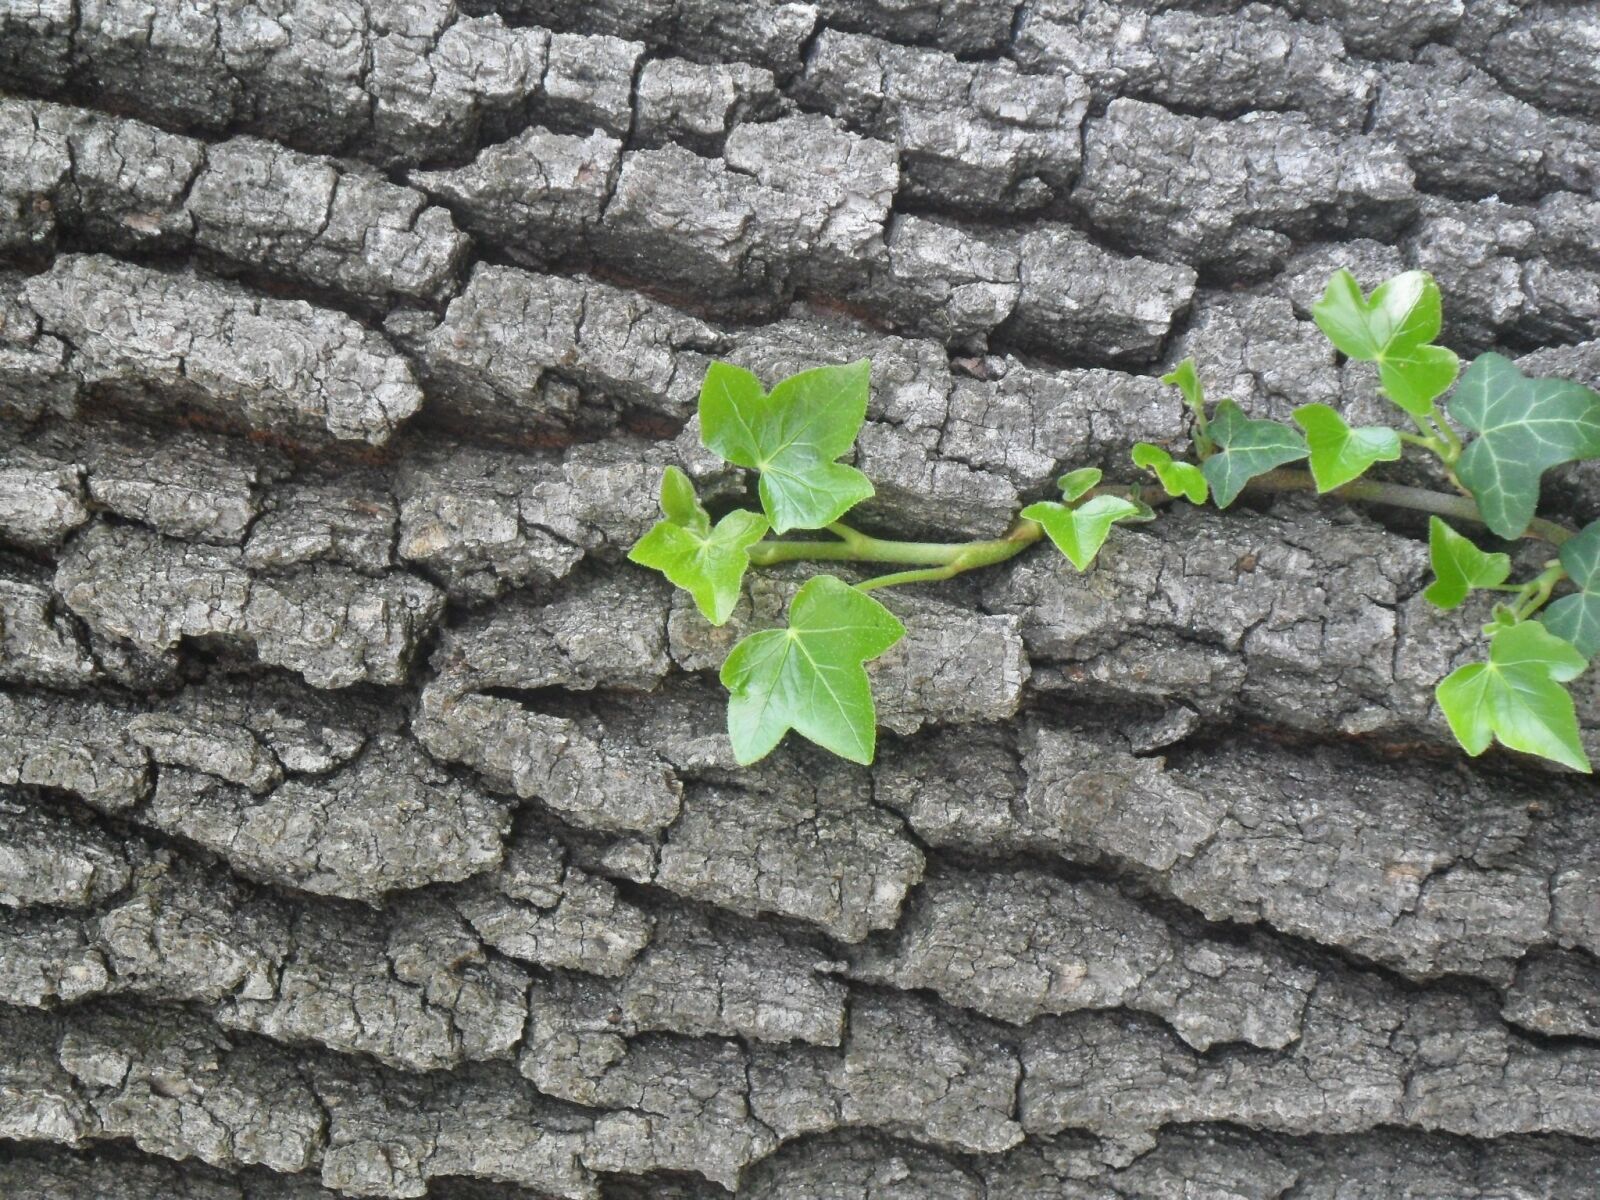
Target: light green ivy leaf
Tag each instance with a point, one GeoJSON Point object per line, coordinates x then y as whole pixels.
{"type": "Point", "coordinates": [1246, 448]}
{"type": "Point", "coordinates": [809, 677]}
{"type": "Point", "coordinates": [1524, 426]}
{"type": "Point", "coordinates": [1186, 379]}
{"type": "Point", "coordinates": [1177, 478]}
{"type": "Point", "coordinates": [792, 435]}
{"type": "Point", "coordinates": [708, 563]}
{"type": "Point", "coordinates": [1517, 697]}
{"type": "Point", "coordinates": [1075, 483]}
{"type": "Point", "coordinates": [1576, 618]}
{"type": "Point", "coordinates": [1459, 566]}
{"type": "Point", "coordinates": [1340, 453]}
{"type": "Point", "coordinates": [1395, 329]}
{"type": "Point", "coordinates": [1080, 531]}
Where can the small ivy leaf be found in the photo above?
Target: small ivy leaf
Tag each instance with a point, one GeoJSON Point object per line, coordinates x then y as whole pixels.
{"type": "Point", "coordinates": [1459, 566]}
{"type": "Point", "coordinates": [1517, 696]}
{"type": "Point", "coordinates": [1080, 532]}
{"type": "Point", "coordinates": [679, 504]}
{"type": "Point", "coordinates": [1338, 452]}
{"type": "Point", "coordinates": [1394, 328]}
{"type": "Point", "coordinates": [1246, 448]}
{"type": "Point", "coordinates": [1075, 483]}
{"type": "Point", "coordinates": [809, 677]}
{"type": "Point", "coordinates": [1576, 618]}
{"type": "Point", "coordinates": [1186, 379]}
{"type": "Point", "coordinates": [1177, 478]}
{"type": "Point", "coordinates": [1524, 427]}
{"type": "Point", "coordinates": [707, 563]}
{"type": "Point", "coordinates": [792, 435]}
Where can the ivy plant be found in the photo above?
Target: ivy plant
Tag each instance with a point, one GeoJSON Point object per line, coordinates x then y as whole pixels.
{"type": "Point", "coordinates": [1492, 431]}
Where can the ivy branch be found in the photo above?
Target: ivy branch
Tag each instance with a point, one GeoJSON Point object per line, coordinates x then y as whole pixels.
{"type": "Point", "coordinates": [1494, 440]}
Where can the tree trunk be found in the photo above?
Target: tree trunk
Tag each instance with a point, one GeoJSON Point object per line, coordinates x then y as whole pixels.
{"type": "Point", "coordinates": [368, 824]}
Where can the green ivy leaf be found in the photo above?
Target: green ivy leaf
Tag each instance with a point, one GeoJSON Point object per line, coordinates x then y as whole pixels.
{"type": "Point", "coordinates": [792, 435]}
{"type": "Point", "coordinates": [1524, 426]}
{"type": "Point", "coordinates": [1393, 329]}
{"type": "Point", "coordinates": [707, 563]}
{"type": "Point", "coordinates": [679, 504]}
{"type": "Point", "coordinates": [1187, 380]}
{"type": "Point", "coordinates": [1177, 478]}
{"type": "Point", "coordinates": [1075, 483]}
{"type": "Point", "coordinates": [1079, 532]}
{"type": "Point", "coordinates": [809, 677]}
{"type": "Point", "coordinates": [1338, 452]}
{"type": "Point", "coordinates": [1246, 448]}
{"type": "Point", "coordinates": [1459, 566]}
{"type": "Point", "coordinates": [1576, 618]}
{"type": "Point", "coordinates": [1517, 696]}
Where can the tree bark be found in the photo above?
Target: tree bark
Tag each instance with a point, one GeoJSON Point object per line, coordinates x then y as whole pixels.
{"type": "Point", "coordinates": [367, 824]}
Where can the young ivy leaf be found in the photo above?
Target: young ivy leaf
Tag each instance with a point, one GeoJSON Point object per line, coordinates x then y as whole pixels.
{"type": "Point", "coordinates": [809, 677]}
{"type": "Point", "coordinates": [792, 435]}
{"type": "Point", "coordinates": [1177, 478]}
{"type": "Point", "coordinates": [1524, 427]}
{"type": "Point", "coordinates": [1517, 696]}
{"type": "Point", "coordinates": [1075, 483]}
{"type": "Point", "coordinates": [1080, 531]}
{"type": "Point", "coordinates": [707, 563]}
{"type": "Point", "coordinates": [1338, 452]}
{"type": "Point", "coordinates": [1459, 566]}
{"type": "Point", "coordinates": [1393, 329]}
{"type": "Point", "coordinates": [1576, 618]}
{"type": "Point", "coordinates": [1186, 379]}
{"type": "Point", "coordinates": [1246, 448]}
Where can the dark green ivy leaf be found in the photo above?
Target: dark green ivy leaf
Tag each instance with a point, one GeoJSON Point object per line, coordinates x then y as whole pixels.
{"type": "Point", "coordinates": [1576, 618]}
{"type": "Point", "coordinates": [809, 677]}
{"type": "Point", "coordinates": [1524, 426]}
{"type": "Point", "coordinates": [792, 435]}
{"type": "Point", "coordinates": [1246, 448]}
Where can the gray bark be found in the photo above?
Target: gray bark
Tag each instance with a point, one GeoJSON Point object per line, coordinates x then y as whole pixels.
{"type": "Point", "coordinates": [367, 826]}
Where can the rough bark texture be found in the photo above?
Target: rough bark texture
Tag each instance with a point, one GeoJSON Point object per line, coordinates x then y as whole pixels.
{"type": "Point", "coordinates": [366, 824]}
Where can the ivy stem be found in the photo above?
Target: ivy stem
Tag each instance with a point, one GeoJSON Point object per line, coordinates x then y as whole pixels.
{"type": "Point", "coordinates": [933, 561]}
{"type": "Point", "coordinates": [1399, 495]}
{"type": "Point", "coordinates": [939, 560]}
{"type": "Point", "coordinates": [1537, 590]}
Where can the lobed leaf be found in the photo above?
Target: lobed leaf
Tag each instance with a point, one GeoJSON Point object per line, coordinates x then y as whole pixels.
{"type": "Point", "coordinates": [792, 435]}
{"type": "Point", "coordinates": [1524, 426]}
{"type": "Point", "coordinates": [1246, 448]}
{"type": "Point", "coordinates": [1080, 531]}
{"type": "Point", "coordinates": [1517, 697]}
{"type": "Point", "coordinates": [1393, 328]}
{"type": "Point", "coordinates": [809, 677]}
{"type": "Point", "coordinates": [1576, 618]}
{"type": "Point", "coordinates": [708, 563]}
{"type": "Point", "coordinates": [1459, 566]}
{"type": "Point", "coordinates": [1177, 478]}
{"type": "Point", "coordinates": [1339, 453]}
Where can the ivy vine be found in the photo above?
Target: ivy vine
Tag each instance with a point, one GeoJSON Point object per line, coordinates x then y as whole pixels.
{"type": "Point", "coordinates": [1494, 439]}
